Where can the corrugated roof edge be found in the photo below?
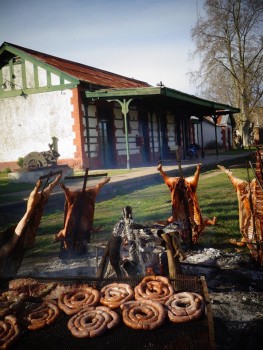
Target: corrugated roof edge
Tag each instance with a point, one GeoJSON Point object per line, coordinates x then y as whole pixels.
{"type": "Point", "coordinates": [38, 54]}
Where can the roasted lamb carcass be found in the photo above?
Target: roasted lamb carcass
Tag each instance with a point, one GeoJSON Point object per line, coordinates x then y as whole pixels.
{"type": "Point", "coordinates": [41, 200]}
{"type": "Point", "coordinates": [250, 208]}
{"type": "Point", "coordinates": [78, 220]}
{"type": "Point", "coordinates": [12, 240]}
{"type": "Point", "coordinates": [185, 207]}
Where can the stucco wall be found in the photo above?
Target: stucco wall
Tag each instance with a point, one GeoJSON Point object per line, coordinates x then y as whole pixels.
{"type": "Point", "coordinates": [208, 134]}
{"type": "Point", "coordinates": [29, 124]}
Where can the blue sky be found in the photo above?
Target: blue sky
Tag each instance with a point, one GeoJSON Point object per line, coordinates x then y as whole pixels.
{"type": "Point", "coordinates": [149, 40]}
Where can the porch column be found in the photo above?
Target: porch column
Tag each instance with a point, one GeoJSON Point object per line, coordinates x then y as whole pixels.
{"type": "Point", "coordinates": [202, 137]}
{"type": "Point", "coordinates": [125, 109]}
{"type": "Point", "coordinates": [215, 122]}
{"type": "Point", "coordinates": [152, 136]}
{"type": "Point", "coordinates": [159, 136]}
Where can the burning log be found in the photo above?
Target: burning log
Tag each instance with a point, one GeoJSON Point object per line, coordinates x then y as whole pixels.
{"type": "Point", "coordinates": [186, 213]}
{"type": "Point", "coordinates": [250, 208]}
{"type": "Point", "coordinates": [173, 263]}
{"type": "Point", "coordinates": [137, 250]}
{"type": "Point", "coordinates": [78, 219]}
{"type": "Point", "coordinates": [174, 250]}
{"type": "Point", "coordinates": [14, 240]}
{"type": "Point", "coordinates": [122, 255]}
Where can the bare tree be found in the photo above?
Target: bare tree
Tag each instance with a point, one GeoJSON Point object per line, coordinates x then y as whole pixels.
{"type": "Point", "coordinates": [229, 41]}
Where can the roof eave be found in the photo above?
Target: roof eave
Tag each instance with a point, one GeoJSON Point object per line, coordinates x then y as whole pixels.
{"type": "Point", "coordinates": [163, 91]}
{"type": "Point", "coordinates": [123, 92]}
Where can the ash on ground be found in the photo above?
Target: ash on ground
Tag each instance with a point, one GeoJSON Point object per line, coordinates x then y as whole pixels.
{"type": "Point", "coordinates": [52, 266]}
{"type": "Point", "coordinates": [235, 287]}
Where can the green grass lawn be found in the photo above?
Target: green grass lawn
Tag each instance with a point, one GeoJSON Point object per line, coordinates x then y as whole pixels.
{"type": "Point", "coordinates": [8, 190]}
{"type": "Point", "coordinates": [12, 192]}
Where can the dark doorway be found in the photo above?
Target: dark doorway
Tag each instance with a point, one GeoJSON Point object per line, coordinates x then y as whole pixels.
{"type": "Point", "coordinates": [106, 136]}
{"type": "Point", "coordinates": [144, 137]}
{"type": "Point", "coordinates": [163, 138]}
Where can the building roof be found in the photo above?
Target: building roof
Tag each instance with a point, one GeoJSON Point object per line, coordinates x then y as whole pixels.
{"type": "Point", "coordinates": [113, 86]}
{"type": "Point", "coordinates": [80, 71]}
{"type": "Point", "coordinates": [189, 104]}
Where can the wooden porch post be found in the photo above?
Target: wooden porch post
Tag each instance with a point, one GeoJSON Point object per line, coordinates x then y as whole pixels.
{"type": "Point", "coordinates": [159, 136]}
{"type": "Point", "coordinates": [152, 136]}
{"type": "Point", "coordinates": [202, 137]}
{"type": "Point", "coordinates": [215, 122]}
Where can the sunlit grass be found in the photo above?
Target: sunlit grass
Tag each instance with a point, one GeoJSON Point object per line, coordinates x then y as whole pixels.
{"type": "Point", "coordinates": [6, 187]}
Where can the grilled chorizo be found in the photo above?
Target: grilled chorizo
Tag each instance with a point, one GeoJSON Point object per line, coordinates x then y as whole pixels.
{"type": "Point", "coordinates": [41, 316]}
{"type": "Point", "coordinates": [185, 306]}
{"type": "Point", "coordinates": [9, 331]}
{"type": "Point", "coordinates": [115, 294]}
{"type": "Point", "coordinates": [143, 314]}
{"type": "Point", "coordinates": [92, 321]}
{"type": "Point", "coordinates": [157, 288]}
{"type": "Point", "coordinates": [72, 301]}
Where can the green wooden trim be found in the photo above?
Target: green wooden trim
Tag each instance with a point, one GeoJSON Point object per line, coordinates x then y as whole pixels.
{"type": "Point", "coordinates": [23, 72]}
{"type": "Point", "coordinates": [28, 57]}
{"type": "Point", "coordinates": [197, 100]}
{"type": "Point", "coordinates": [36, 80]}
{"type": "Point", "coordinates": [1, 80]}
{"type": "Point", "coordinates": [11, 93]}
{"type": "Point", "coordinates": [50, 88]}
{"type": "Point", "coordinates": [131, 92]}
{"type": "Point", "coordinates": [11, 72]}
{"type": "Point", "coordinates": [15, 91]}
{"type": "Point", "coordinates": [2, 49]}
{"type": "Point", "coordinates": [163, 91]}
{"type": "Point", "coordinates": [12, 78]}
{"type": "Point", "coordinates": [48, 78]}
{"type": "Point", "coordinates": [6, 94]}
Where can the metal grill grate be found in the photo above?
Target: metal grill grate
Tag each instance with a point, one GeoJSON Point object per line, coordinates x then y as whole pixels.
{"type": "Point", "coordinates": [188, 336]}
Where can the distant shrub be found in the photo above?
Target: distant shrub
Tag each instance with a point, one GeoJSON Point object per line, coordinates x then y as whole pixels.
{"type": "Point", "coordinates": [20, 162]}
{"type": "Point", "coordinates": [7, 170]}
